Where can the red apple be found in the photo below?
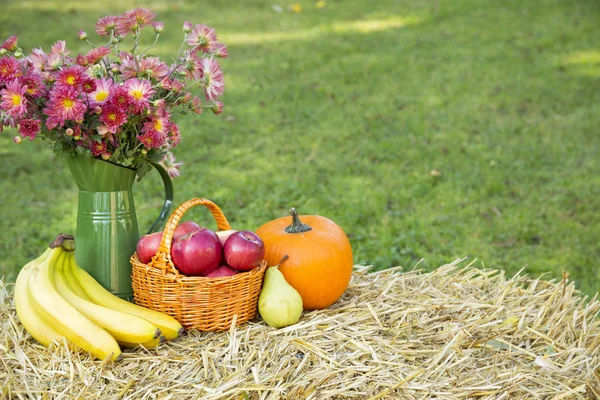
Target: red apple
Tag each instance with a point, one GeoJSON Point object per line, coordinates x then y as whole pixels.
{"type": "Point", "coordinates": [223, 235]}
{"type": "Point", "coordinates": [197, 253]}
{"type": "Point", "coordinates": [184, 228]}
{"type": "Point", "coordinates": [147, 246]}
{"type": "Point", "coordinates": [244, 250]}
{"type": "Point", "coordinates": [221, 270]}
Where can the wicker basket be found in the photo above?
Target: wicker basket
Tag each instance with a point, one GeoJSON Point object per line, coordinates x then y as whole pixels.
{"type": "Point", "coordinates": [206, 304]}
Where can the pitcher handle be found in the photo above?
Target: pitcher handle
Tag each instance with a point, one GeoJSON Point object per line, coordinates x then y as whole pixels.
{"type": "Point", "coordinates": [166, 208]}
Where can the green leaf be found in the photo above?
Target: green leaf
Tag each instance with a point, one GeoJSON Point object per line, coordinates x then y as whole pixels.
{"type": "Point", "coordinates": [116, 154]}
{"type": "Point", "coordinates": [143, 169]}
{"type": "Point", "coordinates": [156, 155]}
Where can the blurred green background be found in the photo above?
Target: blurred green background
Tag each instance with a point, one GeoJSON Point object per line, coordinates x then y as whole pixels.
{"type": "Point", "coordinates": [428, 130]}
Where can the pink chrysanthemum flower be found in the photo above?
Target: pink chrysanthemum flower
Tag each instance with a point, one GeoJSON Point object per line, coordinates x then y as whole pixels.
{"type": "Point", "coordinates": [53, 62]}
{"type": "Point", "coordinates": [172, 168]}
{"type": "Point", "coordinates": [143, 16]}
{"type": "Point", "coordinates": [217, 107]}
{"type": "Point", "coordinates": [153, 67]}
{"type": "Point", "coordinates": [134, 19]}
{"type": "Point", "coordinates": [186, 98]}
{"type": "Point", "coordinates": [128, 65]}
{"type": "Point", "coordinates": [101, 93]}
{"type": "Point", "coordinates": [120, 97]}
{"type": "Point", "coordinates": [106, 134]}
{"type": "Point", "coordinates": [34, 83]}
{"type": "Point", "coordinates": [97, 54]}
{"type": "Point", "coordinates": [187, 27]}
{"type": "Point", "coordinates": [29, 127]}
{"type": "Point", "coordinates": [158, 26]}
{"type": "Point", "coordinates": [71, 76]}
{"type": "Point", "coordinates": [147, 67]}
{"type": "Point", "coordinates": [220, 50]}
{"type": "Point", "coordinates": [64, 105]}
{"type": "Point", "coordinates": [14, 102]}
{"type": "Point", "coordinates": [156, 124]}
{"type": "Point", "coordinates": [152, 139]}
{"type": "Point", "coordinates": [97, 148]}
{"type": "Point", "coordinates": [10, 44]}
{"type": "Point", "coordinates": [202, 37]}
{"type": "Point", "coordinates": [102, 130]}
{"type": "Point", "coordinates": [77, 134]}
{"type": "Point", "coordinates": [140, 91]}
{"type": "Point", "coordinates": [60, 47]}
{"type": "Point", "coordinates": [196, 106]}
{"type": "Point", "coordinates": [166, 83]}
{"type": "Point", "coordinates": [113, 117]}
{"type": "Point", "coordinates": [9, 69]}
{"type": "Point", "coordinates": [105, 25]}
{"type": "Point", "coordinates": [88, 85]}
{"type": "Point", "coordinates": [154, 132]}
{"type": "Point", "coordinates": [174, 134]}
{"type": "Point", "coordinates": [177, 86]}
{"type": "Point", "coordinates": [212, 79]}
{"type": "Point", "coordinates": [160, 109]}
{"type": "Point", "coordinates": [37, 59]}
{"type": "Point", "coordinates": [192, 66]}
{"type": "Point", "coordinates": [7, 121]}
{"type": "Point", "coordinates": [82, 60]}
{"type": "Point", "coordinates": [126, 24]}
{"type": "Point", "coordinates": [159, 103]}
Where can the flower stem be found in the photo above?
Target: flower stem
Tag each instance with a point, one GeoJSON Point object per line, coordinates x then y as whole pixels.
{"type": "Point", "coordinates": [181, 47]}
{"type": "Point", "coordinates": [153, 44]}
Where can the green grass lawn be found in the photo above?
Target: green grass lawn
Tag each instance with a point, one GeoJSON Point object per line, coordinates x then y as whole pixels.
{"type": "Point", "coordinates": [346, 110]}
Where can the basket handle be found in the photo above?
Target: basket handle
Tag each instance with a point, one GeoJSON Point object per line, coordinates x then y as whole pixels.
{"type": "Point", "coordinates": [164, 249]}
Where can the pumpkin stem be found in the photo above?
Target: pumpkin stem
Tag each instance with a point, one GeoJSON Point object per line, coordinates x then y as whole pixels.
{"type": "Point", "coordinates": [297, 226]}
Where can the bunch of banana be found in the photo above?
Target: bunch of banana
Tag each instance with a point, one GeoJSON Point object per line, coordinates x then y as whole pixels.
{"type": "Point", "coordinates": [55, 298]}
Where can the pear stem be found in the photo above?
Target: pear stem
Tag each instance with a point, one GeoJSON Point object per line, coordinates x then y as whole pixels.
{"type": "Point", "coordinates": [283, 259]}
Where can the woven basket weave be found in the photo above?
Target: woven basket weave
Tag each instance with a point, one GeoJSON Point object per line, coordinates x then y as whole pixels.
{"type": "Point", "coordinates": [206, 304]}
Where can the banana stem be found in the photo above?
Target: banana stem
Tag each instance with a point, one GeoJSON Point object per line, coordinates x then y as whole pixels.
{"type": "Point", "coordinates": [67, 242]}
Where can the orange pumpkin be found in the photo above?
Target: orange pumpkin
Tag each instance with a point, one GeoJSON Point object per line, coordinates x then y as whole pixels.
{"type": "Point", "coordinates": [319, 263]}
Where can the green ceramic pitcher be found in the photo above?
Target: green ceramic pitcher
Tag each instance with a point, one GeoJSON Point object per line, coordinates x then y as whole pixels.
{"type": "Point", "coordinates": [107, 229]}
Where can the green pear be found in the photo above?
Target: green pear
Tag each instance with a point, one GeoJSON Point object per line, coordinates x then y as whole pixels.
{"type": "Point", "coordinates": [279, 304]}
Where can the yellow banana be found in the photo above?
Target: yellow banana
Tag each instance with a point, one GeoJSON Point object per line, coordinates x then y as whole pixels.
{"type": "Point", "coordinates": [123, 327]}
{"type": "Point", "coordinates": [168, 325]}
{"type": "Point", "coordinates": [72, 281]}
{"type": "Point", "coordinates": [61, 315]}
{"type": "Point", "coordinates": [33, 323]}
{"type": "Point", "coordinates": [149, 344]}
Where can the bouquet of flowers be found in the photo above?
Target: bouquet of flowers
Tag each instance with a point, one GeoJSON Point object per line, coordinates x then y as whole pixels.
{"type": "Point", "coordinates": [110, 103]}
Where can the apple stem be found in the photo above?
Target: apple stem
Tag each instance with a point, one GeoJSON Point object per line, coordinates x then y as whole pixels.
{"type": "Point", "coordinates": [297, 226]}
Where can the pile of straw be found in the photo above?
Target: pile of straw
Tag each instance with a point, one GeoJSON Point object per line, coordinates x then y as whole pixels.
{"type": "Point", "coordinates": [455, 333]}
